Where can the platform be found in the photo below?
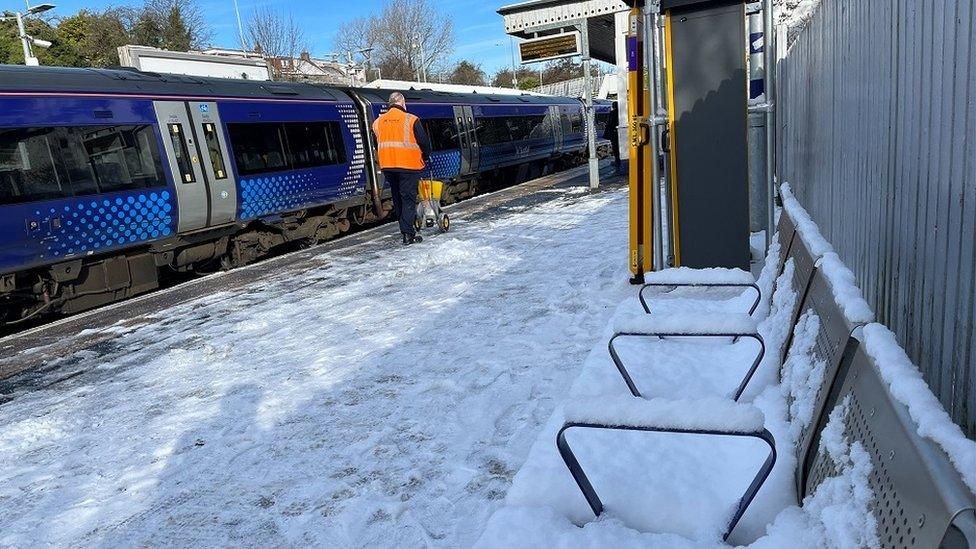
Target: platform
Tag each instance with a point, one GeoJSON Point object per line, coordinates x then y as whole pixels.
{"type": "Point", "coordinates": [356, 393]}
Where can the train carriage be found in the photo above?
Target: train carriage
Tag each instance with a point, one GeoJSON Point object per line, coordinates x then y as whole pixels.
{"type": "Point", "coordinates": [481, 141]}
{"type": "Point", "coordinates": [109, 179]}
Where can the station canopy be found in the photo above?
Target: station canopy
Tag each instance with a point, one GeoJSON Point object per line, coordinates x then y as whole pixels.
{"type": "Point", "coordinates": [538, 18]}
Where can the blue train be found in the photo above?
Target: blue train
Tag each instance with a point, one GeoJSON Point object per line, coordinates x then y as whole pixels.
{"type": "Point", "coordinates": [110, 179]}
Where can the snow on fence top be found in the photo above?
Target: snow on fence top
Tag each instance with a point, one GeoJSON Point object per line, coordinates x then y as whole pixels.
{"type": "Point", "coordinates": [712, 413]}
{"type": "Point", "coordinates": [846, 292]}
{"type": "Point", "coordinates": [687, 275]}
{"type": "Point", "coordinates": [808, 230]}
{"type": "Point", "coordinates": [685, 323]}
{"type": "Point", "coordinates": [907, 386]}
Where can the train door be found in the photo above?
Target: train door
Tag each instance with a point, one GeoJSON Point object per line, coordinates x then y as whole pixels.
{"type": "Point", "coordinates": [474, 150]}
{"type": "Point", "coordinates": [464, 116]}
{"type": "Point", "coordinates": [464, 138]}
{"type": "Point", "coordinates": [184, 162]}
{"type": "Point", "coordinates": [197, 157]}
{"type": "Point", "coordinates": [216, 159]}
{"type": "Point", "coordinates": [555, 123]}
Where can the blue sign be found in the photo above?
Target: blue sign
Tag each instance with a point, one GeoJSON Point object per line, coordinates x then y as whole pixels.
{"type": "Point", "coordinates": [204, 107]}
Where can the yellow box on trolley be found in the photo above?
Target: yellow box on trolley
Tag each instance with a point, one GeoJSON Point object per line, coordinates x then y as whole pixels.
{"type": "Point", "coordinates": [430, 189]}
{"type": "Point", "coordinates": [429, 212]}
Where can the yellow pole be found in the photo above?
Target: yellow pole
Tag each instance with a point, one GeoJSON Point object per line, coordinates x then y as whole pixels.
{"type": "Point", "coordinates": [638, 99]}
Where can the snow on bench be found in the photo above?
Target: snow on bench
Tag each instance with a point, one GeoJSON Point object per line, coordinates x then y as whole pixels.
{"type": "Point", "coordinates": [907, 386]}
{"type": "Point", "coordinates": [687, 275]}
{"type": "Point", "coordinates": [711, 413]}
{"type": "Point", "coordinates": [805, 226]}
{"type": "Point", "coordinates": [844, 284]}
{"type": "Point", "coordinates": [686, 324]}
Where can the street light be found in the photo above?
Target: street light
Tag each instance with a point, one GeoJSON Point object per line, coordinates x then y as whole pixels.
{"type": "Point", "coordinates": [422, 68]}
{"type": "Point", "coordinates": [26, 40]}
{"type": "Point", "coordinates": [40, 8]}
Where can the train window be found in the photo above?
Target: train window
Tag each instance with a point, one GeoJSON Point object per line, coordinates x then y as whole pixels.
{"type": "Point", "coordinates": [600, 122]}
{"type": "Point", "coordinates": [121, 157]}
{"type": "Point", "coordinates": [528, 127]}
{"type": "Point", "coordinates": [567, 126]}
{"type": "Point", "coordinates": [27, 165]}
{"type": "Point", "coordinates": [442, 133]}
{"type": "Point", "coordinates": [258, 148]}
{"type": "Point", "coordinates": [494, 130]}
{"type": "Point", "coordinates": [273, 147]}
{"type": "Point", "coordinates": [47, 163]}
{"type": "Point", "coordinates": [176, 137]}
{"type": "Point", "coordinates": [213, 148]}
{"type": "Point", "coordinates": [314, 144]}
{"type": "Point", "coordinates": [576, 122]}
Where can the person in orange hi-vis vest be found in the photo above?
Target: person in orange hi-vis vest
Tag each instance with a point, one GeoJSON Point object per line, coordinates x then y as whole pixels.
{"type": "Point", "coordinates": [403, 149]}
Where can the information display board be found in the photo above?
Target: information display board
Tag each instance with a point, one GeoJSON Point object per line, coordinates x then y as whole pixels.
{"type": "Point", "coordinates": [534, 50]}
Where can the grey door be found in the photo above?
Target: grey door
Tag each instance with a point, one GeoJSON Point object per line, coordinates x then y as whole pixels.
{"type": "Point", "coordinates": [183, 158]}
{"type": "Point", "coordinates": [464, 137]}
{"type": "Point", "coordinates": [475, 151]}
{"type": "Point", "coordinates": [215, 162]}
{"type": "Point", "coordinates": [557, 127]}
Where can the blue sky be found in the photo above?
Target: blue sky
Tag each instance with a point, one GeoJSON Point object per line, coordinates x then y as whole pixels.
{"type": "Point", "coordinates": [478, 30]}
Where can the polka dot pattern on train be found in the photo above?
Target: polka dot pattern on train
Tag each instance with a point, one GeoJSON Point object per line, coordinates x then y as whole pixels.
{"type": "Point", "coordinates": [87, 226]}
{"type": "Point", "coordinates": [268, 195]}
{"type": "Point", "coordinates": [445, 164]}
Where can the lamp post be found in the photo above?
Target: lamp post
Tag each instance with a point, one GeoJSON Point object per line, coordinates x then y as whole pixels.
{"type": "Point", "coordinates": [26, 40]}
{"type": "Point", "coordinates": [422, 67]}
{"type": "Point", "coordinates": [240, 26]}
{"type": "Point", "coordinates": [367, 54]}
{"type": "Point", "coordinates": [511, 51]}
{"type": "Point", "coordinates": [511, 48]}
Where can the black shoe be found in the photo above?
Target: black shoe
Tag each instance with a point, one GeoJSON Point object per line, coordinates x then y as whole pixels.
{"type": "Point", "coordinates": [415, 239]}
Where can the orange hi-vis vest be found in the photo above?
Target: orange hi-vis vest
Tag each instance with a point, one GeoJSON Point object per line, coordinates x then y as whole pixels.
{"type": "Point", "coordinates": [398, 148]}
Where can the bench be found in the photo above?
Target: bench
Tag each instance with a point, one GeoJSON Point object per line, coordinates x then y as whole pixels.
{"type": "Point", "coordinates": [919, 499]}
{"type": "Point", "coordinates": [833, 345]}
{"type": "Point", "coordinates": [713, 325]}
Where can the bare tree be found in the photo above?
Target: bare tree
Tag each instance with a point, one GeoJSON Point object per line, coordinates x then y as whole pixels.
{"type": "Point", "coordinates": [275, 33]}
{"type": "Point", "coordinates": [416, 34]}
{"type": "Point", "coordinates": [358, 34]}
{"type": "Point", "coordinates": [411, 38]}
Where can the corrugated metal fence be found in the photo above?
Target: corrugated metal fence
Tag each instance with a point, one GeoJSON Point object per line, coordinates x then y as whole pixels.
{"type": "Point", "coordinates": [877, 136]}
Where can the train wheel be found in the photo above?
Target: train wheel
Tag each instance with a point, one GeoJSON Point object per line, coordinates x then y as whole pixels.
{"type": "Point", "coordinates": [418, 223]}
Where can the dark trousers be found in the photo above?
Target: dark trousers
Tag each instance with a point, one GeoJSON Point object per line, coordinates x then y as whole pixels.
{"type": "Point", "coordinates": [404, 185]}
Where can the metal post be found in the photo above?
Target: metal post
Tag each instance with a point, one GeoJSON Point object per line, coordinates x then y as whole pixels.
{"type": "Point", "coordinates": [769, 48]}
{"type": "Point", "coordinates": [240, 26]}
{"type": "Point", "coordinates": [29, 58]}
{"type": "Point", "coordinates": [423, 59]}
{"type": "Point", "coordinates": [588, 100]}
{"type": "Point", "coordinates": [511, 50]}
{"type": "Point", "coordinates": [661, 118]}
{"type": "Point", "coordinates": [650, 55]}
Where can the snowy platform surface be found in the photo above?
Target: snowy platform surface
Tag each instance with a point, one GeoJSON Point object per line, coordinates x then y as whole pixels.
{"type": "Point", "coordinates": [377, 396]}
